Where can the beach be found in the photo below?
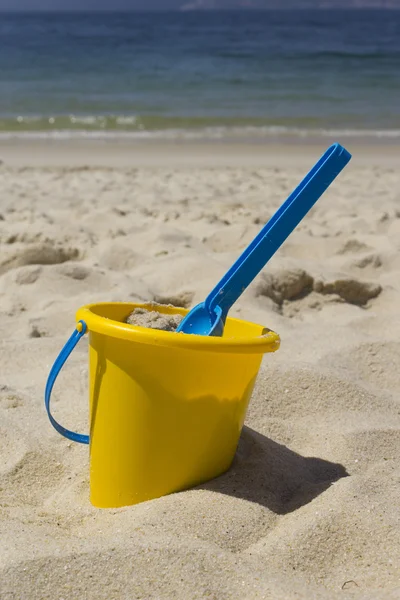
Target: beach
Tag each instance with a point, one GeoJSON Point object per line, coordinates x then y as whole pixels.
{"type": "Point", "coordinates": [310, 506]}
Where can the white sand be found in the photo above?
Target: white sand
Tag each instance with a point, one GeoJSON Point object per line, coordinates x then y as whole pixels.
{"type": "Point", "coordinates": [310, 508]}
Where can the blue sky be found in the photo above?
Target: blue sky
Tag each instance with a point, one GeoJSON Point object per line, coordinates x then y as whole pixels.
{"type": "Point", "coordinates": [175, 4]}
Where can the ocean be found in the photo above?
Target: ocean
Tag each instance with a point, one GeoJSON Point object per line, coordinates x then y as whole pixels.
{"type": "Point", "coordinates": [200, 74]}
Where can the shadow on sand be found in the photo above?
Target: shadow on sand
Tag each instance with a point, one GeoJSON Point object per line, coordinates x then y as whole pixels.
{"type": "Point", "coordinates": [274, 476]}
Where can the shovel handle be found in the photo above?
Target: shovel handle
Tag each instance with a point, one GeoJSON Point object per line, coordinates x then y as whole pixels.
{"type": "Point", "coordinates": [278, 228]}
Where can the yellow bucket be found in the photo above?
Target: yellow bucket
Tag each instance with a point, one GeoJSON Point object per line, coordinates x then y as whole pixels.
{"type": "Point", "coordinates": [166, 409]}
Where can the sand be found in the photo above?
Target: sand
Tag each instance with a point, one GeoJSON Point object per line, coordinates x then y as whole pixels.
{"type": "Point", "coordinates": [153, 319]}
{"type": "Point", "coordinates": [310, 507]}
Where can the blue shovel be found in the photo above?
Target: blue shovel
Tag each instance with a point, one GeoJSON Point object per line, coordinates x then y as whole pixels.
{"type": "Point", "coordinates": [208, 317]}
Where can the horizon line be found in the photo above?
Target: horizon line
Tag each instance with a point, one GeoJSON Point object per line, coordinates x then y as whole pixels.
{"type": "Point", "coordinates": [194, 10]}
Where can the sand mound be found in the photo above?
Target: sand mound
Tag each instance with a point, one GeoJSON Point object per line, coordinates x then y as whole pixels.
{"type": "Point", "coordinates": [294, 284]}
{"type": "Point", "coordinates": [285, 285]}
{"type": "Point", "coordinates": [350, 290]}
{"type": "Point", "coordinates": [153, 319]}
{"type": "Point", "coordinates": [39, 254]}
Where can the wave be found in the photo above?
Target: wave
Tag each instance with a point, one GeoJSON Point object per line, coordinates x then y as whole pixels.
{"type": "Point", "coordinates": [172, 127]}
{"type": "Point", "coordinates": [305, 56]}
{"type": "Point", "coordinates": [207, 133]}
{"type": "Point", "coordinates": [43, 122]}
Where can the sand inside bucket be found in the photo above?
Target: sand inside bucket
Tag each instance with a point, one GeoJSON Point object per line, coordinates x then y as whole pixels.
{"type": "Point", "coordinates": [153, 319]}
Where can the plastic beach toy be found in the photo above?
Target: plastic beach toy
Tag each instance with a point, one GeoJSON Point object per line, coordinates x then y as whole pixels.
{"type": "Point", "coordinates": [166, 410]}
{"type": "Point", "coordinates": [208, 317]}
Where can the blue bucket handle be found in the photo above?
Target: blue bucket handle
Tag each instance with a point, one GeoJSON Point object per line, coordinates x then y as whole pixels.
{"type": "Point", "coordinates": [81, 329]}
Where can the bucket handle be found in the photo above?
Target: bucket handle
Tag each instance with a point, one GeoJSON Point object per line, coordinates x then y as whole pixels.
{"type": "Point", "coordinates": [81, 329]}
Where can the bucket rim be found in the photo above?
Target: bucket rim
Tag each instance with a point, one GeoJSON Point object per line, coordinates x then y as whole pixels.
{"type": "Point", "coordinates": [268, 341]}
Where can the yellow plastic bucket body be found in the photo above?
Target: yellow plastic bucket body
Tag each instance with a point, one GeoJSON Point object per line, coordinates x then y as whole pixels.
{"type": "Point", "coordinates": [166, 409]}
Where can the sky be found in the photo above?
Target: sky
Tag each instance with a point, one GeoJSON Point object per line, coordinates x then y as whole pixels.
{"type": "Point", "coordinates": [183, 4]}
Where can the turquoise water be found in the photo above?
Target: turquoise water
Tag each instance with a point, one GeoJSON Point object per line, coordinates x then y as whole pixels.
{"type": "Point", "coordinates": [200, 74]}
